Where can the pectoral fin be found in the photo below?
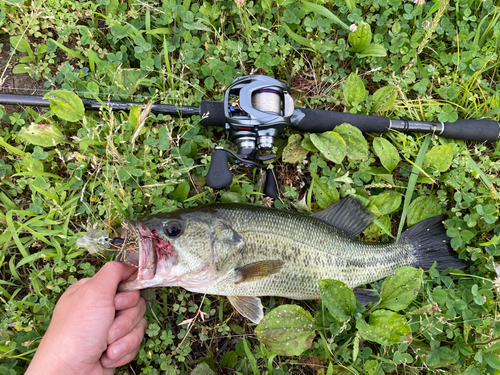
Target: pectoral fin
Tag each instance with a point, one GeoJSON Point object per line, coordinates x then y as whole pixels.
{"type": "Point", "coordinates": [258, 270]}
{"type": "Point", "coordinates": [249, 307]}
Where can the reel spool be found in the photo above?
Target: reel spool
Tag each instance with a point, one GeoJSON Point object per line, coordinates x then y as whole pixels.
{"type": "Point", "coordinates": [261, 111]}
{"type": "Point", "coordinates": [257, 109]}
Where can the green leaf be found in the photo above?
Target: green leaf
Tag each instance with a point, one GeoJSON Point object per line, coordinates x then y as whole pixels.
{"type": "Point", "coordinates": [66, 105]}
{"type": "Point", "coordinates": [21, 68]}
{"type": "Point", "coordinates": [338, 298]}
{"type": "Point", "coordinates": [380, 226]}
{"type": "Point", "coordinates": [42, 135]}
{"type": "Point", "coordinates": [385, 327]}
{"type": "Point", "coordinates": [320, 9]}
{"type": "Point", "coordinates": [400, 358]}
{"type": "Point", "coordinates": [21, 45]}
{"type": "Point", "coordinates": [492, 359]}
{"type": "Point", "coordinates": [354, 89]}
{"type": "Point", "coordinates": [10, 148]}
{"type": "Point", "coordinates": [351, 5]}
{"type": "Point", "coordinates": [293, 152]}
{"type": "Point", "coordinates": [40, 182]}
{"type": "Point", "coordinates": [361, 38]}
{"type": "Point", "coordinates": [325, 195]}
{"type": "Point", "coordinates": [307, 42]}
{"type": "Point", "coordinates": [386, 202]}
{"type": "Point", "coordinates": [112, 7]}
{"type": "Point", "coordinates": [232, 197]}
{"type": "Point", "coordinates": [401, 288]}
{"type": "Point", "coordinates": [422, 208]}
{"type": "Point", "coordinates": [39, 154]}
{"type": "Point", "coordinates": [69, 50]}
{"type": "Point", "coordinates": [357, 146]}
{"type": "Point", "coordinates": [133, 116]}
{"type": "Point", "coordinates": [413, 180]}
{"type": "Point", "coordinates": [439, 157]}
{"type": "Point", "coordinates": [113, 196]}
{"type": "Point", "coordinates": [465, 349]}
{"type": "Point", "coordinates": [287, 330]}
{"type": "Point", "coordinates": [471, 370]}
{"type": "Point", "coordinates": [189, 149]}
{"type": "Point", "coordinates": [331, 145]}
{"type": "Point", "coordinates": [387, 153]}
{"type": "Point", "coordinates": [181, 192]}
{"type": "Point", "coordinates": [202, 369]}
{"type": "Point", "coordinates": [373, 50]}
{"type": "Point", "coordinates": [250, 356]}
{"type": "Point", "coordinates": [383, 99]}
{"type": "Point", "coordinates": [229, 359]}
{"type": "Point", "coordinates": [432, 359]}
{"type": "Point", "coordinates": [307, 144]}
{"type": "Point", "coordinates": [446, 353]}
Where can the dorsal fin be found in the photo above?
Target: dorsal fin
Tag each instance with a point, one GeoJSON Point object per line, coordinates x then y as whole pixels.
{"type": "Point", "coordinates": [348, 214]}
{"type": "Point", "coordinates": [249, 307]}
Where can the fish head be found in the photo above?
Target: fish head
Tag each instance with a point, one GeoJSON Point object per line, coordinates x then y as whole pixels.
{"type": "Point", "coordinates": [168, 250]}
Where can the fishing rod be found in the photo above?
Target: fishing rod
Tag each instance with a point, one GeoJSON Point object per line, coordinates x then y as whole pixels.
{"type": "Point", "coordinates": [257, 109]}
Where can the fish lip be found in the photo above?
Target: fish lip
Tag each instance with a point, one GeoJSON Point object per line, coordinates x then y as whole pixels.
{"type": "Point", "coordinates": [146, 269]}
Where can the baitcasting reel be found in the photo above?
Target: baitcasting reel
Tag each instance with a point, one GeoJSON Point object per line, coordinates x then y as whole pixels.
{"type": "Point", "coordinates": [257, 109]}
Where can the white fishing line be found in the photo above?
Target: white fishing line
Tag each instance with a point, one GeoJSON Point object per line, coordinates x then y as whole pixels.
{"type": "Point", "coordinates": [267, 101]}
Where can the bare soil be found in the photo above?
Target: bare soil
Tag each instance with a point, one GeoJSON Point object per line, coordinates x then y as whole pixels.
{"type": "Point", "coordinates": [11, 83]}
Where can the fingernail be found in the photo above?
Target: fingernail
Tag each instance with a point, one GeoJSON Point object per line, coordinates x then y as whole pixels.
{"type": "Point", "coordinates": [114, 335]}
{"type": "Point", "coordinates": [121, 303]}
{"type": "Point", "coordinates": [117, 351]}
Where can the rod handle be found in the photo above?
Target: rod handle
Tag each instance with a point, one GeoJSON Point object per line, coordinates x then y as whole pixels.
{"type": "Point", "coordinates": [212, 113]}
{"type": "Point", "coordinates": [319, 121]}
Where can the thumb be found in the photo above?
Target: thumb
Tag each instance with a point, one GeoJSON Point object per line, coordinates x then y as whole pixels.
{"type": "Point", "coordinates": [110, 276]}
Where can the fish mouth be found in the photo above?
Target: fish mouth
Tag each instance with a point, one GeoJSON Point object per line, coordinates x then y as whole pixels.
{"type": "Point", "coordinates": [138, 250]}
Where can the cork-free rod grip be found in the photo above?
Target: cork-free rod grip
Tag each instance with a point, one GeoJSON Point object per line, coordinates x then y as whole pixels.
{"type": "Point", "coordinates": [319, 121]}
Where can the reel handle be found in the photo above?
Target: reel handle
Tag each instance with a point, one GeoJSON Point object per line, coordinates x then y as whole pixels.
{"type": "Point", "coordinates": [218, 176]}
{"type": "Point", "coordinates": [271, 186]}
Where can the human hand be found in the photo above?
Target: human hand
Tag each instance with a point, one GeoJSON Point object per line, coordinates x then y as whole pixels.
{"type": "Point", "coordinates": [94, 328]}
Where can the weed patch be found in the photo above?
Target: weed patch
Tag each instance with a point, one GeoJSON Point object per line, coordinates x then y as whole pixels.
{"type": "Point", "coordinates": [64, 170]}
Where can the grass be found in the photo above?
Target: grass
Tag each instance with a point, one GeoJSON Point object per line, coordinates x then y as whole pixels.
{"type": "Point", "coordinates": [432, 61]}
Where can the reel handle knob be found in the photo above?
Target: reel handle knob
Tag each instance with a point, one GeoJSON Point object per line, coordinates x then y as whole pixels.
{"type": "Point", "coordinates": [219, 176]}
{"type": "Point", "coordinates": [271, 186]}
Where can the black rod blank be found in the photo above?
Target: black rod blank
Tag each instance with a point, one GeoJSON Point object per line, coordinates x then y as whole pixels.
{"type": "Point", "coordinates": [94, 105]}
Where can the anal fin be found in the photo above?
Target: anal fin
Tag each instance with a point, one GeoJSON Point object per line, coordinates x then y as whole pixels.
{"type": "Point", "coordinates": [249, 307]}
{"type": "Point", "coordinates": [365, 295]}
{"type": "Point", "coordinates": [258, 270]}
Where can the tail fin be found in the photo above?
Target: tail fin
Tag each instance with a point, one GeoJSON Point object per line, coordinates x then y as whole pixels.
{"type": "Point", "coordinates": [429, 243]}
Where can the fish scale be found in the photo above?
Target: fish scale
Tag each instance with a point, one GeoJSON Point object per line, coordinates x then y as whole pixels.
{"type": "Point", "coordinates": [322, 254]}
{"type": "Point", "coordinates": [243, 251]}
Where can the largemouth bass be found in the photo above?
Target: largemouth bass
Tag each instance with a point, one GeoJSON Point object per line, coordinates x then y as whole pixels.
{"type": "Point", "coordinates": [244, 251]}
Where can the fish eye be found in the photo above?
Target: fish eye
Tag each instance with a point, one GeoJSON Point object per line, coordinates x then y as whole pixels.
{"type": "Point", "coordinates": [173, 229]}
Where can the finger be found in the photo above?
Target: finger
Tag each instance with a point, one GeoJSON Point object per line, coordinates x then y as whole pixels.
{"type": "Point", "coordinates": [109, 276]}
{"type": "Point", "coordinates": [126, 300]}
{"type": "Point", "coordinates": [125, 321]}
{"type": "Point", "coordinates": [77, 285]}
{"type": "Point", "coordinates": [124, 350]}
